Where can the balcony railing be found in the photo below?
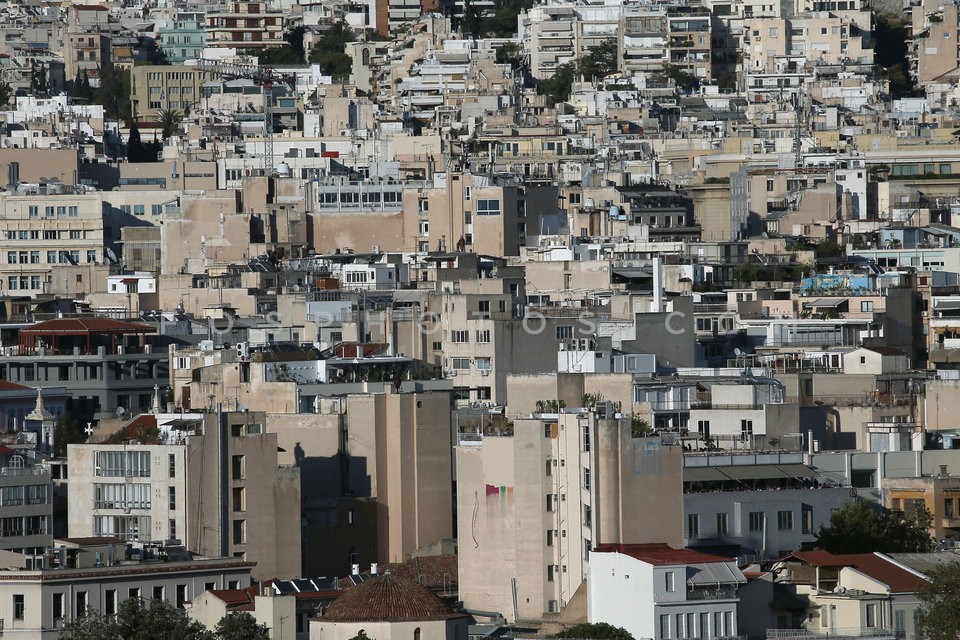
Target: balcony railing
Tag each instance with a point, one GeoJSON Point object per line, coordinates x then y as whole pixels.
{"type": "Point", "coordinates": [838, 632]}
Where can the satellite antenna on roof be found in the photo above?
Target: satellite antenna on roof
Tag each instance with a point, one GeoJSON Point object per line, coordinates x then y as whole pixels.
{"type": "Point", "coordinates": [121, 412]}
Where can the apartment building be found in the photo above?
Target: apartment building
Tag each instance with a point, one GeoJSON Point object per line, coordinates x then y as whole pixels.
{"type": "Point", "coordinates": [184, 38]}
{"type": "Point", "coordinates": [156, 88]}
{"type": "Point", "coordinates": [245, 25]}
{"type": "Point", "coordinates": [543, 489]}
{"type": "Point", "coordinates": [45, 226]}
{"type": "Point", "coordinates": [26, 499]}
{"type": "Point", "coordinates": [932, 52]}
{"type": "Point", "coordinates": [248, 507]}
{"type": "Point", "coordinates": [655, 591]}
{"type": "Point", "coordinates": [689, 38]}
{"type": "Point", "coordinates": [96, 575]}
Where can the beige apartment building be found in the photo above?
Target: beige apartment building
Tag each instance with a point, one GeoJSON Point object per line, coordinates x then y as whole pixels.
{"type": "Point", "coordinates": [214, 482]}
{"type": "Point", "coordinates": [246, 25]}
{"type": "Point", "coordinates": [932, 51]}
{"type": "Point", "coordinates": [541, 491]}
{"type": "Point", "coordinates": [46, 227]}
{"type": "Point", "coordinates": [155, 88]}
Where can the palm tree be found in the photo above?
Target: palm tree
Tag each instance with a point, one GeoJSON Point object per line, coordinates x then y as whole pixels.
{"type": "Point", "coordinates": [169, 120]}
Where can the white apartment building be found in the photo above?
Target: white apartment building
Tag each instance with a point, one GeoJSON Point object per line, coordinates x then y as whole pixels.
{"type": "Point", "coordinates": [559, 33]}
{"type": "Point", "coordinates": [655, 591]}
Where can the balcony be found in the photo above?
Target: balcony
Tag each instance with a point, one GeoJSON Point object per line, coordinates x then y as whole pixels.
{"type": "Point", "coordinates": [877, 633]}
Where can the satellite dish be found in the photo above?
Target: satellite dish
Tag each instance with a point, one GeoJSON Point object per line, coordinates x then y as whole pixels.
{"type": "Point", "coordinates": [120, 412]}
{"type": "Point", "coordinates": [7, 143]}
{"type": "Point", "coordinates": [737, 352]}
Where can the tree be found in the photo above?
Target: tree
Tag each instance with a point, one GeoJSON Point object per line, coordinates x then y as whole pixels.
{"type": "Point", "coordinates": [681, 78]}
{"type": "Point", "coordinates": [361, 635]}
{"type": "Point", "coordinates": [938, 617]}
{"type": "Point", "coordinates": [114, 93]}
{"type": "Point", "coordinates": [67, 431]}
{"type": "Point", "coordinates": [135, 149]}
{"type": "Point", "coordinates": [557, 87]}
{"type": "Point", "coordinates": [330, 52]}
{"type": "Point", "coordinates": [860, 528]}
{"type": "Point", "coordinates": [6, 93]}
{"type": "Point", "coordinates": [291, 53]}
{"type": "Point", "coordinates": [169, 120]}
{"type": "Point", "coordinates": [137, 619]}
{"type": "Point", "coordinates": [38, 80]}
{"type": "Point", "coordinates": [595, 631]}
{"type": "Point", "coordinates": [240, 626]}
{"type": "Point", "coordinates": [600, 61]}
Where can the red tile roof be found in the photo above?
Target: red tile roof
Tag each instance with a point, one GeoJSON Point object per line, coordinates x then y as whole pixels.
{"type": "Point", "coordinates": [231, 597]}
{"type": "Point", "coordinates": [433, 572]}
{"type": "Point", "coordinates": [388, 598]}
{"type": "Point", "coordinates": [94, 541]}
{"type": "Point", "coordinates": [84, 326]}
{"type": "Point", "coordinates": [874, 565]}
{"type": "Point", "coordinates": [11, 386]}
{"type": "Point", "coordinates": [660, 553]}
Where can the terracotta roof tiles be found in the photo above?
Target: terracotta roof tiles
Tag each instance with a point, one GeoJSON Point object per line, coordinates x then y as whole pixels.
{"type": "Point", "coordinates": [388, 598]}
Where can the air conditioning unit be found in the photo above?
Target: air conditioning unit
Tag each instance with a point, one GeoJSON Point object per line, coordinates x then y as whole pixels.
{"type": "Point", "coordinates": [484, 372]}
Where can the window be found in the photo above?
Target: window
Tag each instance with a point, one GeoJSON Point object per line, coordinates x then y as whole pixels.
{"type": "Point", "coordinates": [550, 536]}
{"type": "Point", "coordinates": [586, 438]}
{"type": "Point", "coordinates": [156, 209]}
{"type": "Point", "coordinates": [172, 498]}
{"type": "Point", "coordinates": [239, 499]}
{"type": "Point", "coordinates": [693, 525]}
{"type": "Point", "coordinates": [133, 593]}
{"type": "Point", "coordinates": [551, 569]}
{"type": "Point", "coordinates": [460, 364]}
{"type": "Point", "coordinates": [34, 211]}
{"type": "Point", "coordinates": [181, 595]}
{"type": "Point", "coordinates": [158, 593]}
{"type": "Point", "coordinates": [746, 430]}
{"type": "Point", "coordinates": [172, 528]}
{"type": "Point", "coordinates": [587, 516]}
{"type": "Point", "coordinates": [239, 468]}
{"type": "Point", "coordinates": [948, 507]}
{"type": "Point", "coordinates": [755, 521]}
{"type": "Point", "coordinates": [664, 626]}
{"type": "Point", "coordinates": [488, 207]}
{"type": "Point", "coordinates": [721, 524]}
{"type": "Point", "coordinates": [806, 519]}
{"type": "Point", "coordinates": [703, 428]}
{"type": "Point", "coordinates": [483, 336]}
{"type": "Point", "coordinates": [239, 531]}
{"type": "Point", "coordinates": [172, 463]}
{"type": "Point", "coordinates": [550, 502]}
{"type": "Point", "coordinates": [118, 464]}
{"type": "Point", "coordinates": [59, 612]}
{"type": "Point", "coordinates": [483, 364]}
{"type": "Point", "coordinates": [670, 581]}
{"type": "Point", "coordinates": [18, 606]}
{"type": "Point", "coordinates": [586, 479]}
{"type": "Point", "coordinates": [785, 520]}
{"type": "Point", "coordinates": [866, 305]}
{"type": "Point", "coordinates": [110, 602]}
{"type": "Point", "coordinates": [460, 336]}
{"type": "Point", "coordinates": [82, 603]}
{"type": "Point", "coordinates": [871, 616]}
{"type": "Point", "coordinates": [564, 332]}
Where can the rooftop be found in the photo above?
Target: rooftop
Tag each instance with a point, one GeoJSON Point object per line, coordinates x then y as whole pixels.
{"type": "Point", "coordinates": [388, 598]}
{"type": "Point", "coordinates": [660, 554]}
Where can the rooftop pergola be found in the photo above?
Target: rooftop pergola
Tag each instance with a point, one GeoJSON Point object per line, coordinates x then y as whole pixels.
{"type": "Point", "coordinates": [63, 334]}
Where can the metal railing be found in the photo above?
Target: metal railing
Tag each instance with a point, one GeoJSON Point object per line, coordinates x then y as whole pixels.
{"type": "Point", "coordinates": [836, 632]}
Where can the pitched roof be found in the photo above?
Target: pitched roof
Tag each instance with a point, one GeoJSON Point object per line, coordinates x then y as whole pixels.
{"type": "Point", "coordinates": [433, 572]}
{"type": "Point", "coordinates": [11, 386]}
{"type": "Point", "coordinates": [660, 553]}
{"type": "Point", "coordinates": [875, 565]}
{"type": "Point", "coordinates": [388, 598]}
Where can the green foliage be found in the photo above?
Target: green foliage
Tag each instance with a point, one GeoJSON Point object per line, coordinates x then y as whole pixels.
{"type": "Point", "coordinates": [860, 528]}
{"type": "Point", "coordinates": [67, 431]}
{"type": "Point", "coordinates": [510, 53]}
{"type": "Point", "coordinates": [595, 631]}
{"type": "Point", "coordinates": [6, 93]}
{"type": "Point", "coordinates": [240, 626]}
{"type": "Point", "coordinates": [745, 273]}
{"type": "Point", "coordinates": [114, 93]}
{"type": "Point", "coordinates": [890, 50]}
{"type": "Point", "coordinates": [639, 427]}
{"type": "Point", "coordinates": [681, 78]}
{"type": "Point", "coordinates": [501, 22]}
{"type": "Point", "coordinates": [362, 635]}
{"type": "Point", "coordinates": [81, 87]}
{"type": "Point", "coordinates": [828, 247]}
{"type": "Point", "coordinates": [600, 61]}
{"type": "Point", "coordinates": [557, 87]}
{"type": "Point", "coordinates": [169, 120]}
{"type": "Point", "coordinates": [289, 54]}
{"type": "Point", "coordinates": [38, 81]}
{"type": "Point", "coordinates": [139, 151]}
{"type": "Point", "coordinates": [330, 52]}
{"type": "Point", "coordinates": [137, 620]}
{"type": "Point", "coordinates": [938, 617]}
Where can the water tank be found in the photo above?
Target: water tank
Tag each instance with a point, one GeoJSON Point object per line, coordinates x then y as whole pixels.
{"type": "Point", "coordinates": [591, 203]}
{"type": "Point", "coordinates": [614, 211]}
{"type": "Point", "coordinates": [283, 170]}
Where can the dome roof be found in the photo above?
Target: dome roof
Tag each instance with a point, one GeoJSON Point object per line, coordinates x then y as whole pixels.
{"type": "Point", "coordinates": [387, 598]}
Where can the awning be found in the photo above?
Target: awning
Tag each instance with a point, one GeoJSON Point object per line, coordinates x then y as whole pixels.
{"type": "Point", "coordinates": [747, 472]}
{"type": "Point", "coordinates": [713, 573]}
{"type": "Point", "coordinates": [946, 303]}
{"type": "Point", "coordinates": [825, 302]}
